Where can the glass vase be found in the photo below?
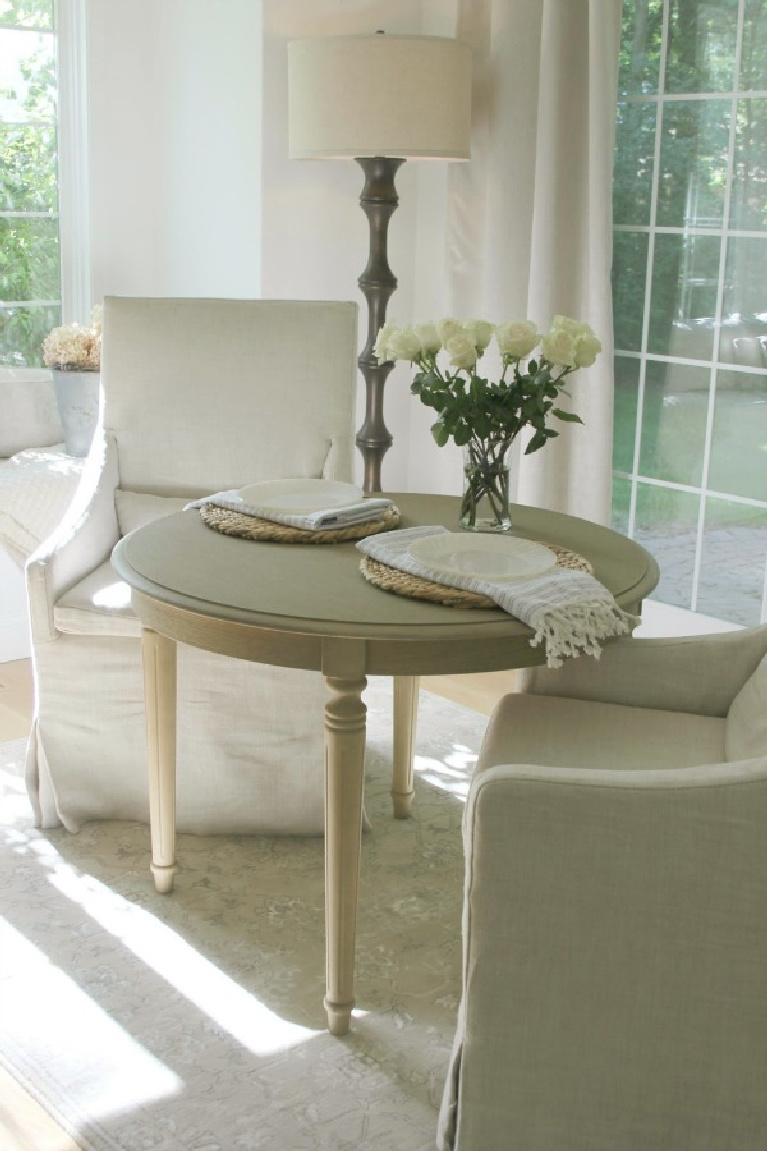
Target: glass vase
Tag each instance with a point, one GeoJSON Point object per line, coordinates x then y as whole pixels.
{"type": "Point", "coordinates": [485, 499]}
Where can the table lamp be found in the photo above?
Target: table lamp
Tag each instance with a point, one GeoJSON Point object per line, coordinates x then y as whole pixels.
{"type": "Point", "coordinates": [379, 100]}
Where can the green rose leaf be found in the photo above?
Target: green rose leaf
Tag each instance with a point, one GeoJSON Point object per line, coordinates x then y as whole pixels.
{"type": "Point", "coordinates": [440, 433]}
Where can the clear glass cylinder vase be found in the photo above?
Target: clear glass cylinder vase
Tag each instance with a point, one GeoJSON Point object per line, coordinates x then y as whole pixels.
{"type": "Point", "coordinates": [485, 499]}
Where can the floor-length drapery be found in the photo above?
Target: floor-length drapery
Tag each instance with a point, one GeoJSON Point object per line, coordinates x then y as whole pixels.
{"type": "Point", "coordinates": [529, 229]}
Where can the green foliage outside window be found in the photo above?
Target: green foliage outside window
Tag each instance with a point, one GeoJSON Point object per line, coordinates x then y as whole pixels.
{"type": "Point", "coordinates": [29, 232]}
{"type": "Point", "coordinates": [26, 13]}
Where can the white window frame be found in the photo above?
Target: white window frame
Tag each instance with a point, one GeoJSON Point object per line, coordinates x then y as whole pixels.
{"type": "Point", "coordinates": [74, 174]}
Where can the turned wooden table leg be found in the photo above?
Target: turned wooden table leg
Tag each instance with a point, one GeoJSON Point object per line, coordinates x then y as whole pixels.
{"type": "Point", "coordinates": [344, 779]}
{"type": "Point", "coordinates": [159, 655]}
{"type": "Point", "coordinates": [405, 716]}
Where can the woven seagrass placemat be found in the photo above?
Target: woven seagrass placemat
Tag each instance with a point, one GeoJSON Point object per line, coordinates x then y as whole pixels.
{"type": "Point", "coordinates": [231, 523]}
{"type": "Point", "coordinates": [402, 583]}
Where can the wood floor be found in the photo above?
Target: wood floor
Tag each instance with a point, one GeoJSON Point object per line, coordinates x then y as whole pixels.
{"type": "Point", "coordinates": [24, 1124]}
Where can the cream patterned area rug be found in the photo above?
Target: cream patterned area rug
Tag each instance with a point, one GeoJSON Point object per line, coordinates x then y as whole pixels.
{"type": "Point", "coordinates": [194, 1022]}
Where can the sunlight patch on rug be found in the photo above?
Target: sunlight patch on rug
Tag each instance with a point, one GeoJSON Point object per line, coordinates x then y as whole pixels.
{"type": "Point", "coordinates": [258, 1029]}
{"type": "Point", "coordinates": [451, 773]}
{"type": "Point", "coordinates": [49, 1021]}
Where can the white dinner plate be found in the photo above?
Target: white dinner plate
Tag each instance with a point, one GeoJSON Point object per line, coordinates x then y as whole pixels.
{"type": "Point", "coordinates": [484, 556]}
{"type": "Point", "coordinates": [301, 496]}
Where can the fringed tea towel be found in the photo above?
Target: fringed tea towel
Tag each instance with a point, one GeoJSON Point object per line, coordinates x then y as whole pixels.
{"type": "Point", "coordinates": [569, 611]}
{"type": "Point", "coordinates": [365, 511]}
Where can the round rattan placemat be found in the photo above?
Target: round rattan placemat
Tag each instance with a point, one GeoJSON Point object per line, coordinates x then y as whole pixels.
{"type": "Point", "coordinates": [231, 523]}
{"type": "Point", "coordinates": [402, 583]}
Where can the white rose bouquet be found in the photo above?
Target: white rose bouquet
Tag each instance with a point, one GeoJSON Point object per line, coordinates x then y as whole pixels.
{"type": "Point", "coordinates": [74, 348]}
{"type": "Point", "coordinates": [485, 416]}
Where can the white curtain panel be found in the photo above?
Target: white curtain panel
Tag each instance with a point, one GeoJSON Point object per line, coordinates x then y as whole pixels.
{"type": "Point", "coordinates": [529, 229]}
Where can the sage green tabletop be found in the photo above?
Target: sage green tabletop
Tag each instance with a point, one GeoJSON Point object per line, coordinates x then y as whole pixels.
{"type": "Point", "coordinates": [319, 589]}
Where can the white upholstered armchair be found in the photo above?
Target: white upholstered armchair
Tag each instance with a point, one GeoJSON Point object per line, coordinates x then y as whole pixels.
{"type": "Point", "coordinates": [197, 396]}
{"type": "Point", "coordinates": [615, 910]}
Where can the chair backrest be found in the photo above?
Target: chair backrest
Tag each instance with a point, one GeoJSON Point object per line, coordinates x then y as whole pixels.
{"type": "Point", "coordinates": [208, 394]}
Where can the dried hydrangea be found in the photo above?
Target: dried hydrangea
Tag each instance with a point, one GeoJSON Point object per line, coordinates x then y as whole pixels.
{"type": "Point", "coordinates": [75, 348]}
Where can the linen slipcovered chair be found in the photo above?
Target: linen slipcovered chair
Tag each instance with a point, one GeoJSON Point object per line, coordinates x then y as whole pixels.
{"type": "Point", "coordinates": [615, 909]}
{"type": "Point", "coordinates": [197, 396]}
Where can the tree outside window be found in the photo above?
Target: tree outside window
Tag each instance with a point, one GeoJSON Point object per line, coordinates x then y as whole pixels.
{"type": "Point", "coordinates": [30, 271]}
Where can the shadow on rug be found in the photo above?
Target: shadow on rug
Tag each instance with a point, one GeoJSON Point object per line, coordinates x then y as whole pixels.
{"type": "Point", "coordinates": [194, 1022]}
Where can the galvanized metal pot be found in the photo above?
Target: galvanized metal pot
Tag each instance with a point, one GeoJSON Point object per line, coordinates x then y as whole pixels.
{"type": "Point", "coordinates": [77, 397]}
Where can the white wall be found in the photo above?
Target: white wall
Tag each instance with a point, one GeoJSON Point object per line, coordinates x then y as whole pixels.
{"type": "Point", "coordinates": [175, 116]}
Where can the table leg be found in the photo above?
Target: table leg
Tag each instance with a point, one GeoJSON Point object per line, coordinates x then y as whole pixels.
{"type": "Point", "coordinates": [344, 778]}
{"type": "Point", "coordinates": [159, 656]}
{"type": "Point", "coordinates": [405, 715]}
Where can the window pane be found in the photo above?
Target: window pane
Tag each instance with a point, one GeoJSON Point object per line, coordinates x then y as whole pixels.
{"type": "Point", "coordinates": [749, 187]}
{"type": "Point", "coordinates": [619, 520]}
{"type": "Point", "coordinates": [634, 153]}
{"type": "Point", "coordinates": [29, 259]}
{"type": "Point", "coordinates": [640, 46]}
{"type": "Point", "coordinates": [683, 301]}
{"type": "Point", "coordinates": [26, 13]}
{"type": "Point", "coordinates": [666, 524]}
{"type": "Point", "coordinates": [738, 464]}
{"type": "Point", "coordinates": [733, 562]}
{"type": "Point", "coordinates": [625, 412]}
{"type": "Point", "coordinates": [22, 331]}
{"type": "Point", "coordinates": [701, 49]}
{"type": "Point", "coordinates": [629, 274]}
{"type": "Point", "coordinates": [744, 308]}
{"type": "Point", "coordinates": [27, 76]}
{"type": "Point", "coordinates": [27, 168]}
{"type": "Point", "coordinates": [674, 423]}
{"type": "Point", "coordinates": [753, 63]}
{"type": "Point", "coordinates": [693, 163]}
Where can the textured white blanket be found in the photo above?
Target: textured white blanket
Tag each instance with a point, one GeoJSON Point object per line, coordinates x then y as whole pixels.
{"type": "Point", "coordinates": [322, 520]}
{"type": "Point", "coordinates": [569, 611]}
{"type": "Point", "coordinates": [36, 488]}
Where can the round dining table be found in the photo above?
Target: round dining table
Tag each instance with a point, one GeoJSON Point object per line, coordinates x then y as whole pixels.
{"type": "Point", "coordinates": [307, 605]}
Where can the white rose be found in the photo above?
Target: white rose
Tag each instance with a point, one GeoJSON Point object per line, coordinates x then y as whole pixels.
{"type": "Point", "coordinates": [462, 352]}
{"type": "Point", "coordinates": [567, 325]}
{"type": "Point", "coordinates": [381, 346]}
{"type": "Point", "coordinates": [428, 336]}
{"type": "Point", "coordinates": [517, 339]}
{"type": "Point", "coordinates": [480, 331]}
{"type": "Point", "coordinates": [447, 329]}
{"type": "Point", "coordinates": [403, 345]}
{"type": "Point", "coordinates": [587, 348]}
{"type": "Point", "coordinates": [559, 347]}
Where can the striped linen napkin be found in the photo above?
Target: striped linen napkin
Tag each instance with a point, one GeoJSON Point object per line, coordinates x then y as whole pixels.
{"type": "Point", "coordinates": [569, 611]}
{"type": "Point", "coordinates": [365, 511]}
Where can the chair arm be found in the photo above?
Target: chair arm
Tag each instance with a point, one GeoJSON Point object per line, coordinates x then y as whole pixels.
{"type": "Point", "coordinates": [339, 462]}
{"type": "Point", "coordinates": [698, 674]}
{"type": "Point", "coordinates": [83, 540]}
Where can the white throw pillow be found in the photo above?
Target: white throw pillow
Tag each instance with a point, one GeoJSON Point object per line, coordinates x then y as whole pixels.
{"type": "Point", "coordinates": [136, 509]}
{"type": "Point", "coordinates": [746, 729]}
